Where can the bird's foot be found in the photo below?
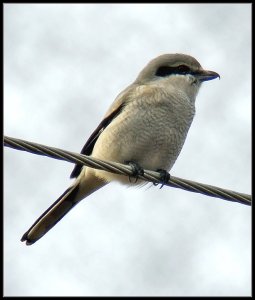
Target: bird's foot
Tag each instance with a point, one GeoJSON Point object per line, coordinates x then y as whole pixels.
{"type": "Point", "coordinates": [164, 177]}
{"type": "Point", "coordinates": [136, 170]}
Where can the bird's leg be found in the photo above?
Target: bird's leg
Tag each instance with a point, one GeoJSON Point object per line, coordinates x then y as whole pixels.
{"type": "Point", "coordinates": [136, 170]}
{"type": "Point", "coordinates": [164, 177]}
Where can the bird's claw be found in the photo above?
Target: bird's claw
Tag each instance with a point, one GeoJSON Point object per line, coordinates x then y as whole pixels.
{"type": "Point", "coordinates": [137, 170]}
{"type": "Point", "coordinates": [164, 177]}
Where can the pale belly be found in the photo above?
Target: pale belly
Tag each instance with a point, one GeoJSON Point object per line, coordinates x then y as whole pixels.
{"type": "Point", "coordinates": [153, 140]}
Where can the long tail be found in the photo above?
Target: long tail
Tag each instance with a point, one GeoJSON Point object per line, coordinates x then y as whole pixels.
{"type": "Point", "coordinates": [59, 209]}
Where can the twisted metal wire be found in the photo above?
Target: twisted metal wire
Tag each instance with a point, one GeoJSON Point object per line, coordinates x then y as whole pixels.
{"type": "Point", "coordinates": [122, 169]}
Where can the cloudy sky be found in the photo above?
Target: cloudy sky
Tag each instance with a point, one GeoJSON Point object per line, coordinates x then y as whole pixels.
{"type": "Point", "coordinates": [63, 66]}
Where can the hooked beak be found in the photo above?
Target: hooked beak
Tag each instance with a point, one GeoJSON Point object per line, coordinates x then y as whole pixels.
{"type": "Point", "coordinates": [205, 75]}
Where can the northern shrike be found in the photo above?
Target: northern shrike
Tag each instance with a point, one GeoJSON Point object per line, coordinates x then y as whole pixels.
{"type": "Point", "coordinates": [145, 126]}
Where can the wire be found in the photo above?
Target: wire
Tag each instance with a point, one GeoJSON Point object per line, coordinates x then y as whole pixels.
{"type": "Point", "coordinates": [122, 169]}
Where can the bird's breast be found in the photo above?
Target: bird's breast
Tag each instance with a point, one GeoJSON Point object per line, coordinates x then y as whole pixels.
{"type": "Point", "coordinates": [148, 131]}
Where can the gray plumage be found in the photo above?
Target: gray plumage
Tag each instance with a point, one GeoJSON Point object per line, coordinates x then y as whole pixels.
{"type": "Point", "coordinates": [147, 123]}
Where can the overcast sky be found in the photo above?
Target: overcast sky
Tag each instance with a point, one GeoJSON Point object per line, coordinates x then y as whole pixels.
{"type": "Point", "coordinates": [63, 66]}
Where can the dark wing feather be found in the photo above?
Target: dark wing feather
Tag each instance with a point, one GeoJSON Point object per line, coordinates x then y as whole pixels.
{"type": "Point", "coordinates": [88, 147]}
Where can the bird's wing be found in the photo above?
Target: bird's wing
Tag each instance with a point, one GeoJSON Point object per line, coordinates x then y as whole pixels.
{"type": "Point", "coordinates": [112, 113]}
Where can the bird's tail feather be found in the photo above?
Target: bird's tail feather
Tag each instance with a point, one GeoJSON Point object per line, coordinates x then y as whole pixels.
{"type": "Point", "coordinates": [56, 212]}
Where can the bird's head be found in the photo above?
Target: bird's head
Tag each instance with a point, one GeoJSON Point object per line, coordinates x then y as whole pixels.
{"type": "Point", "coordinates": [167, 65]}
{"type": "Point", "coordinates": [179, 70]}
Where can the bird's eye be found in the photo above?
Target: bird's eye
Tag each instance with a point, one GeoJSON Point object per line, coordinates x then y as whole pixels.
{"type": "Point", "coordinates": [164, 71]}
{"type": "Point", "coordinates": [183, 69]}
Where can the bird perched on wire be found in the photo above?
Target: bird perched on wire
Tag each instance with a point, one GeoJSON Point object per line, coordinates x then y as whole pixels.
{"type": "Point", "coordinates": [146, 127]}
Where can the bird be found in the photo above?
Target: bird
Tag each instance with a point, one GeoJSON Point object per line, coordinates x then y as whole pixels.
{"type": "Point", "coordinates": [145, 127]}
